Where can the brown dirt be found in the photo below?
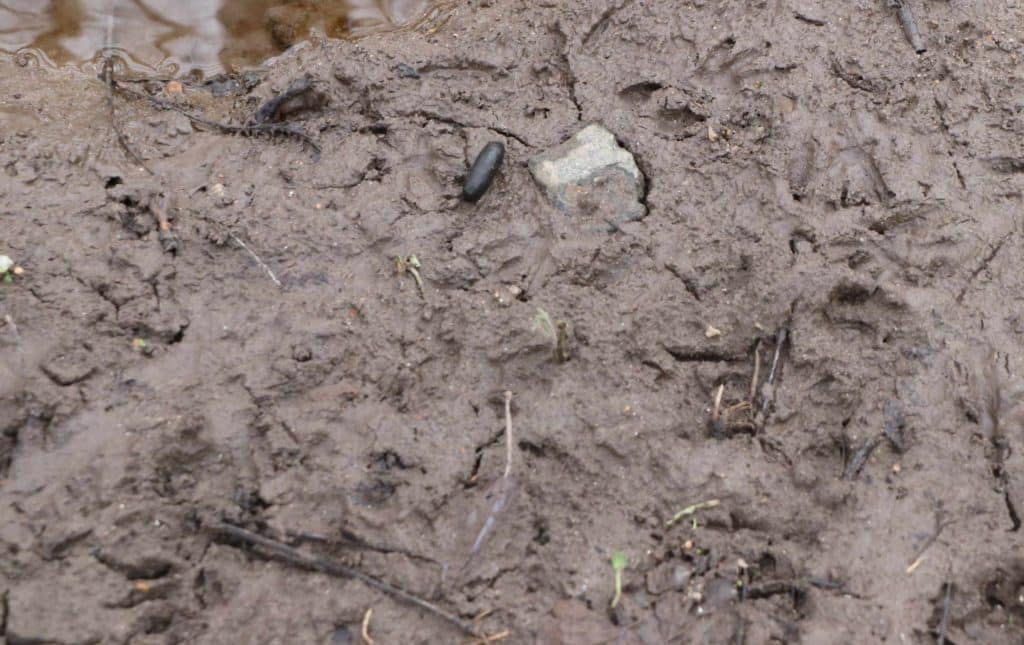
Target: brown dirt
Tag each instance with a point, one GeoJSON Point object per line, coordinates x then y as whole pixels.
{"type": "Point", "coordinates": [861, 198]}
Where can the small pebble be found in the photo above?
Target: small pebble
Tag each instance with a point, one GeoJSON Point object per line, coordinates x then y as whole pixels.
{"type": "Point", "coordinates": [712, 332]}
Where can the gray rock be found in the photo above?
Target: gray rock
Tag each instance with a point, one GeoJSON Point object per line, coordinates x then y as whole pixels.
{"type": "Point", "coordinates": [592, 175]}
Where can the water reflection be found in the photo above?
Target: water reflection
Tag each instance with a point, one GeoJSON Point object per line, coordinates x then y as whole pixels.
{"type": "Point", "coordinates": [179, 36]}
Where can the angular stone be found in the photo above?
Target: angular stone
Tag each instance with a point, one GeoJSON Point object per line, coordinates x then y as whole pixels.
{"type": "Point", "coordinates": [591, 174]}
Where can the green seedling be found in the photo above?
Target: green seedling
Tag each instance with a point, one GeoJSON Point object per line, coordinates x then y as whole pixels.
{"type": "Point", "coordinates": [556, 333]}
{"type": "Point", "coordinates": [691, 510]}
{"type": "Point", "coordinates": [562, 346]}
{"type": "Point", "coordinates": [411, 265]}
{"type": "Point", "coordinates": [8, 269]}
{"type": "Point", "coordinates": [619, 563]}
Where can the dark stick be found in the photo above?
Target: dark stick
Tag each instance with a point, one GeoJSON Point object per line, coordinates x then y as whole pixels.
{"type": "Point", "coordinates": [250, 130]}
{"type": "Point", "coordinates": [861, 457]}
{"type": "Point", "coordinates": [909, 25]}
{"type": "Point", "coordinates": [303, 561]}
{"type": "Point", "coordinates": [111, 83]}
{"type": "Point", "coordinates": [780, 342]}
{"type": "Point", "coordinates": [944, 624]}
{"type": "Point", "coordinates": [893, 425]}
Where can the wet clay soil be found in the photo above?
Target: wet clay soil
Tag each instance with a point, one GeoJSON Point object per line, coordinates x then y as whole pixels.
{"type": "Point", "coordinates": [844, 212]}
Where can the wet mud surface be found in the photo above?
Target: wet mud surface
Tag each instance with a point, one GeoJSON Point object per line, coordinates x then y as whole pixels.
{"type": "Point", "coordinates": [227, 339]}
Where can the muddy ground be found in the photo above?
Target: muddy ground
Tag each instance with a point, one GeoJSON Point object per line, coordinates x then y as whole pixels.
{"type": "Point", "coordinates": [816, 191]}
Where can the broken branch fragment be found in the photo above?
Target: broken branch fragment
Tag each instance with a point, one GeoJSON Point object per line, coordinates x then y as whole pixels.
{"type": "Point", "coordinates": [299, 559]}
{"type": "Point", "coordinates": [910, 27]}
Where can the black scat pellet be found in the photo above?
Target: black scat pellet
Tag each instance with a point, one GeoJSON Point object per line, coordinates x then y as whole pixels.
{"type": "Point", "coordinates": [407, 71]}
{"type": "Point", "coordinates": [482, 173]}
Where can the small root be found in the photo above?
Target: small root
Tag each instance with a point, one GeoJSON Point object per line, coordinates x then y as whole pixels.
{"type": "Point", "coordinates": [366, 627]}
{"type": "Point", "coordinates": [258, 260]}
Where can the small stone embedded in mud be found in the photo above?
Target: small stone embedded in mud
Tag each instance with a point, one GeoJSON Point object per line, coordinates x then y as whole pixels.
{"type": "Point", "coordinates": [591, 174]}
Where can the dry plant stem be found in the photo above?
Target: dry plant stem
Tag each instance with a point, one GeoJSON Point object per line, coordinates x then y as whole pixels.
{"type": "Point", "coordinates": [860, 458]}
{"type": "Point", "coordinates": [915, 564]}
{"type": "Point", "coordinates": [780, 342]}
{"type": "Point", "coordinates": [485, 640]}
{"type": "Point", "coordinates": [366, 626]}
{"type": "Point", "coordinates": [757, 373]}
{"type": "Point", "coordinates": [940, 526]}
{"type": "Point", "coordinates": [508, 434]}
{"type": "Point", "coordinates": [501, 489]}
{"type": "Point", "coordinates": [108, 79]}
{"type": "Point", "coordinates": [303, 561]}
{"type": "Point", "coordinates": [717, 410]}
{"type": "Point", "coordinates": [910, 28]}
{"type": "Point", "coordinates": [258, 260]}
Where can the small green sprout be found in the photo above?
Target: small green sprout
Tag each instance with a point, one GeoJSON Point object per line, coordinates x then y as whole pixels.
{"type": "Point", "coordinates": [619, 562]}
{"type": "Point", "coordinates": [411, 265]}
{"type": "Point", "coordinates": [8, 269]}
{"type": "Point", "coordinates": [562, 346]}
{"type": "Point", "coordinates": [691, 510]}
{"type": "Point", "coordinates": [542, 323]}
{"type": "Point", "coordinates": [556, 333]}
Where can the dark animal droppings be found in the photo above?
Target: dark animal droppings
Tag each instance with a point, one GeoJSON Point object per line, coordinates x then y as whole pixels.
{"type": "Point", "coordinates": [407, 71]}
{"type": "Point", "coordinates": [482, 173]}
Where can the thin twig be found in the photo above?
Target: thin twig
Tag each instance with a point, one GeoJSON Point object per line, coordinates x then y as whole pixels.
{"type": "Point", "coordinates": [501, 489]}
{"type": "Point", "coordinates": [915, 564]}
{"type": "Point", "coordinates": [861, 457]}
{"type": "Point", "coordinates": [108, 79]}
{"type": "Point", "coordinates": [258, 260]}
{"type": "Point", "coordinates": [251, 129]}
{"type": "Point", "coordinates": [780, 341]}
{"type": "Point", "coordinates": [330, 567]}
{"type": "Point", "coordinates": [486, 640]}
{"type": "Point", "coordinates": [910, 28]}
{"type": "Point", "coordinates": [761, 418]}
{"type": "Point", "coordinates": [508, 434]}
{"type": "Point", "coordinates": [940, 526]}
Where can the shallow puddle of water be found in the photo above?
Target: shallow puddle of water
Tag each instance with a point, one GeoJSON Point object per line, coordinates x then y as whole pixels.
{"type": "Point", "coordinates": [189, 36]}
